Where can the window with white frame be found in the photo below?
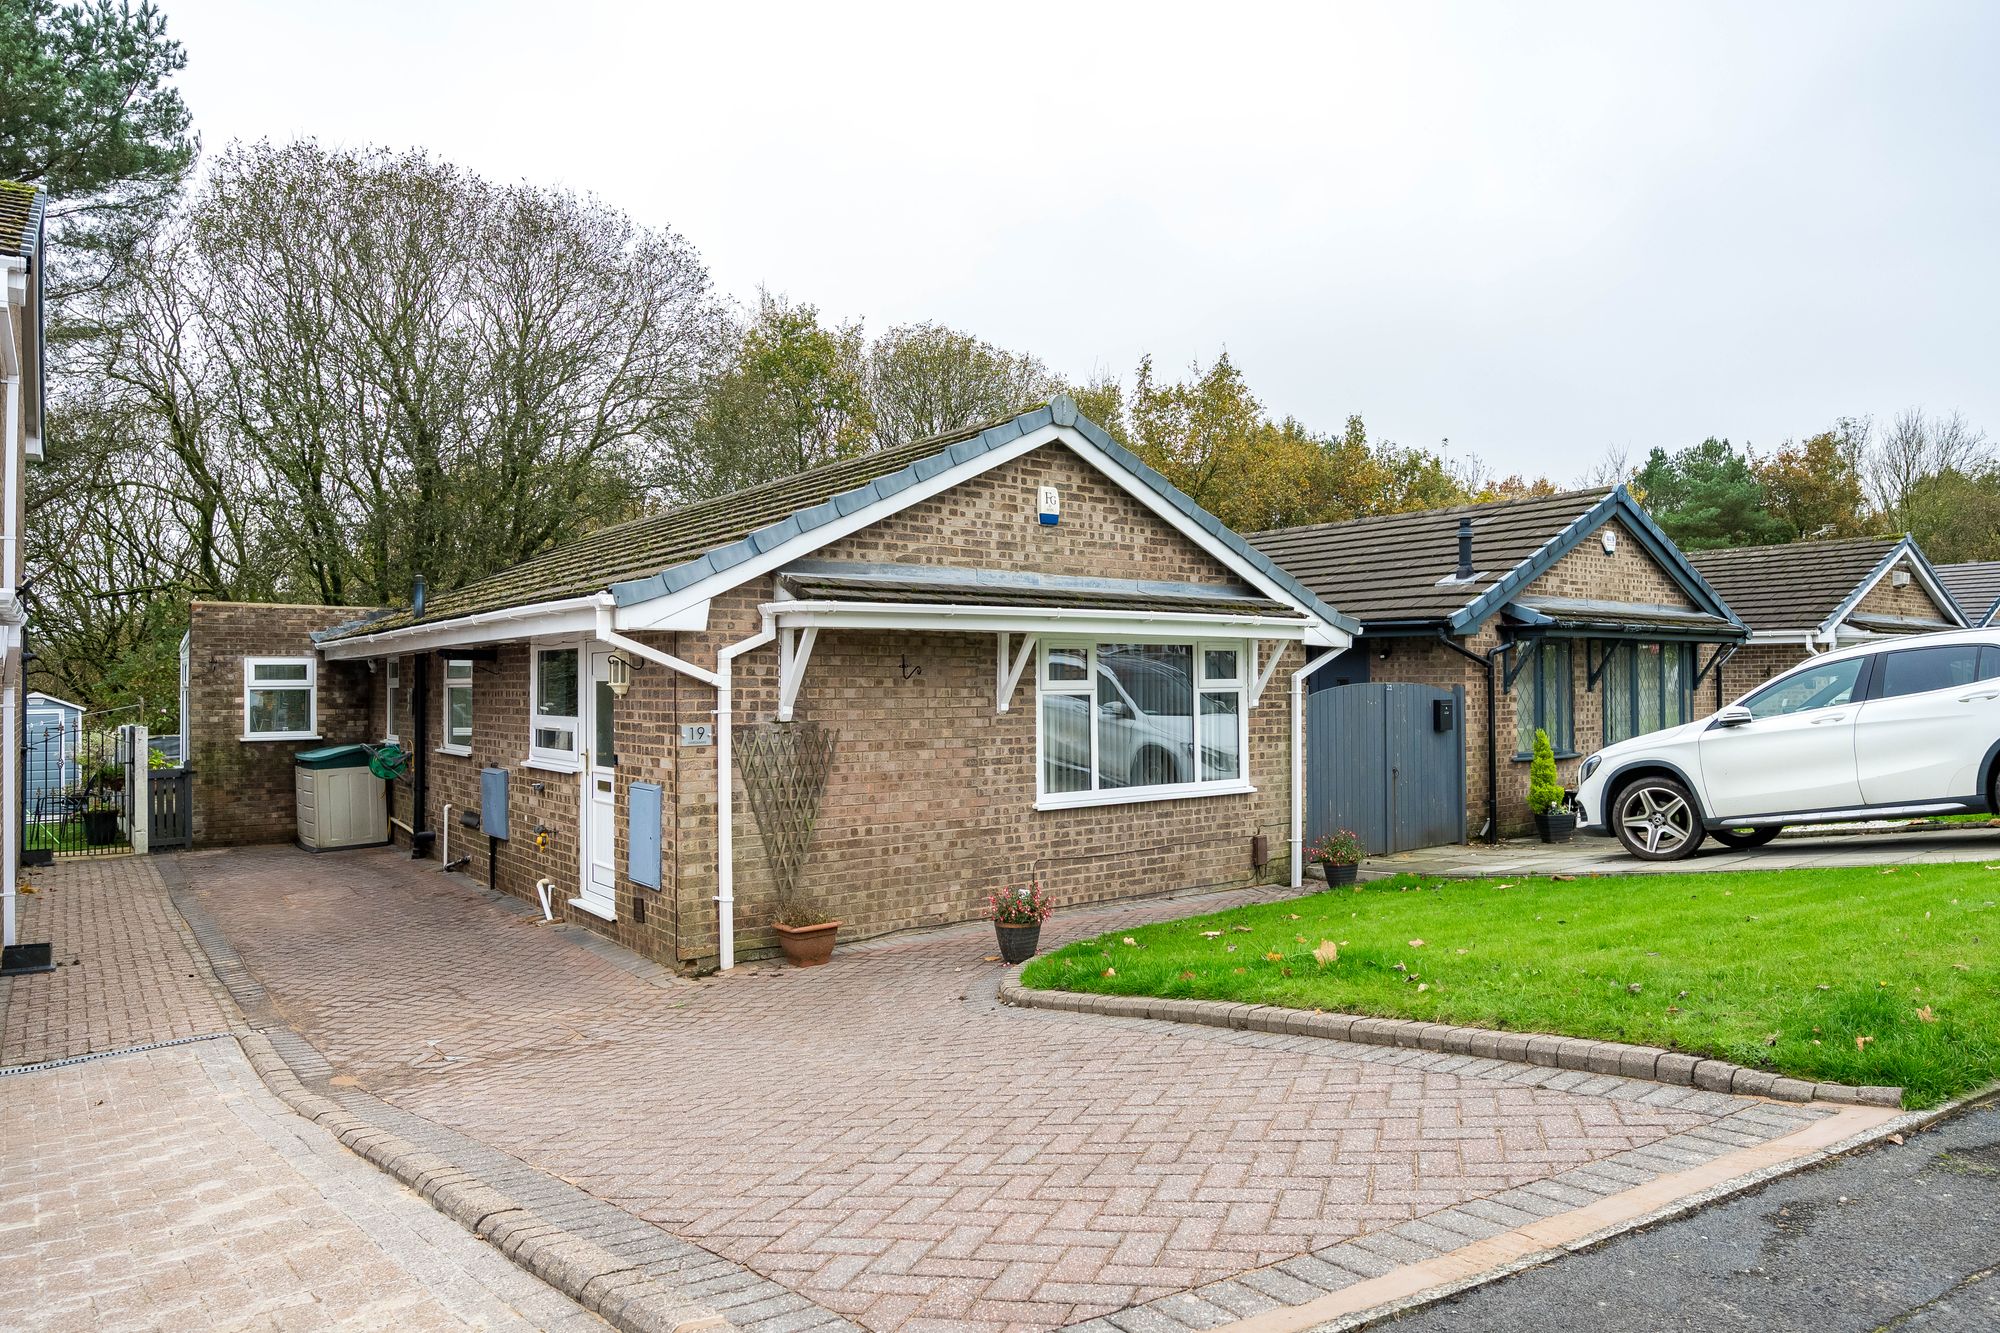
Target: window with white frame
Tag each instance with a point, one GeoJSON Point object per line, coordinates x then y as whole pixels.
{"type": "Point", "coordinates": [280, 698]}
{"type": "Point", "coordinates": [392, 681]}
{"type": "Point", "coordinates": [1125, 721]}
{"type": "Point", "coordinates": [457, 707]}
{"type": "Point", "coordinates": [552, 729]}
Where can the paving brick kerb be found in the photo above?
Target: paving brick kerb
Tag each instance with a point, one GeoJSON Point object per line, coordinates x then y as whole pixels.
{"type": "Point", "coordinates": [1578, 1053]}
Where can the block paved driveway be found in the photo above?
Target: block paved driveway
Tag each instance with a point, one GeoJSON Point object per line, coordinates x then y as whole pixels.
{"type": "Point", "coordinates": [879, 1135]}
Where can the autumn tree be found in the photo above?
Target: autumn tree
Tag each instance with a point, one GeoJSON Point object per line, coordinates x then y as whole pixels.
{"type": "Point", "coordinates": [1814, 485]}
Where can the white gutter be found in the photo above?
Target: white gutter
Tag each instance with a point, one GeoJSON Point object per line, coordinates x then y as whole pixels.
{"type": "Point", "coordinates": [450, 631]}
{"type": "Point", "coordinates": [1299, 762]}
{"type": "Point", "coordinates": [725, 793]}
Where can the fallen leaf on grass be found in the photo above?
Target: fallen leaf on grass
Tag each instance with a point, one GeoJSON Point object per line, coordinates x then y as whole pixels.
{"type": "Point", "coordinates": [1274, 957]}
{"type": "Point", "coordinates": [1926, 1015]}
{"type": "Point", "coordinates": [1110, 971]}
{"type": "Point", "coordinates": [1211, 934]}
{"type": "Point", "coordinates": [1229, 948]}
{"type": "Point", "coordinates": [1771, 1040]}
{"type": "Point", "coordinates": [1961, 967]}
{"type": "Point", "coordinates": [1129, 940]}
{"type": "Point", "coordinates": [1416, 944]}
{"type": "Point", "coordinates": [1328, 953]}
{"type": "Point", "coordinates": [1244, 929]}
{"type": "Point", "coordinates": [1673, 1008]}
{"type": "Point", "coordinates": [1861, 1043]}
{"type": "Point", "coordinates": [1635, 988]}
{"type": "Point", "coordinates": [1187, 976]}
{"type": "Point", "coordinates": [1425, 986]}
{"type": "Point", "coordinates": [1562, 879]}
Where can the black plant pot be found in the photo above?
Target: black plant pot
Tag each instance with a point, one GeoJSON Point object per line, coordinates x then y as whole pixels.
{"type": "Point", "coordinates": [100, 827]}
{"type": "Point", "coordinates": [1555, 828]}
{"type": "Point", "coordinates": [1018, 942]}
{"type": "Point", "coordinates": [1338, 874]}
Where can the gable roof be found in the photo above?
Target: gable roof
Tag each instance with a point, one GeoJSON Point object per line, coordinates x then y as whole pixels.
{"type": "Point", "coordinates": [1975, 586]}
{"type": "Point", "coordinates": [1803, 587]}
{"type": "Point", "coordinates": [21, 208]}
{"type": "Point", "coordinates": [669, 552]}
{"type": "Point", "coordinates": [1395, 570]}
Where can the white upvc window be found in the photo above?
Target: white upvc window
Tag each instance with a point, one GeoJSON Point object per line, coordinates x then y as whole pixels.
{"type": "Point", "coordinates": [280, 699]}
{"type": "Point", "coordinates": [552, 699]}
{"type": "Point", "coordinates": [1140, 721]}
{"type": "Point", "coordinates": [457, 707]}
{"type": "Point", "coordinates": [392, 681]}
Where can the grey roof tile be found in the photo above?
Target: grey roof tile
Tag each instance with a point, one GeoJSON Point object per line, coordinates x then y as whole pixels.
{"type": "Point", "coordinates": [1975, 586]}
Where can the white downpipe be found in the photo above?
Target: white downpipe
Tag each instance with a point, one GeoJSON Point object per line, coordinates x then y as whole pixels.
{"type": "Point", "coordinates": [12, 639]}
{"type": "Point", "coordinates": [444, 857]}
{"type": "Point", "coordinates": [725, 793]}
{"type": "Point", "coordinates": [1299, 762]}
{"type": "Point", "coordinates": [11, 854]}
{"type": "Point", "coordinates": [544, 886]}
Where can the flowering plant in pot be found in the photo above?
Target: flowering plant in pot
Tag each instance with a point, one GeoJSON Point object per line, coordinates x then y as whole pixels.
{"type": "Point", "coordinates": [1338, 853]}
{"type": "Point", "coordinates": [1554, 820]}
{"type": "Point", "coordinates": [1018, 912]}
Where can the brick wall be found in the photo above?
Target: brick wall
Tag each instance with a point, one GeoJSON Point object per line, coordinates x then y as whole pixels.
{"type": "Point", "coordinates": [243, 790]}
{"type": "Point", "coordinates": [930, 802]}
{"type": "Point", "coordinates": [1886, 599]}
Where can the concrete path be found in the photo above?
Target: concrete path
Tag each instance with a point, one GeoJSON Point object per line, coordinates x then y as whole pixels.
{"type": "Point", "coordinates": [166, 1187]}
{"type": "Point", "coordinates": [880, 1138]}
{"type": "Point", "coordinates": [1603, 856]}
{"type": "Point", "coordinates": [1902, 1237]}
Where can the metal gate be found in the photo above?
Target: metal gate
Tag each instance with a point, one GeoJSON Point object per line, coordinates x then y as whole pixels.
{"type": "Point", "coordinates": [1384, 761]}
{"type": "Point", "coordinates": [80, 778]}
{"type": "Point", "coordinates": [170, 791]}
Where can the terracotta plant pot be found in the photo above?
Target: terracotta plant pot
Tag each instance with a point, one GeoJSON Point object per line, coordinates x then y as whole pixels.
{"type": "Point", "coordinates": [1339, 874]}
{"type": "Point", "coordinates": [807, 946]}
{"type": "Point", "coordinates": [1018, 943]}
{"type": "Point", "coordinates": [1555, 828]}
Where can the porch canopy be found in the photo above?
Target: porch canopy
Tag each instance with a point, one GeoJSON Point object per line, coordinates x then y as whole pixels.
{"type": "Point", "coordinates": [813, 595]}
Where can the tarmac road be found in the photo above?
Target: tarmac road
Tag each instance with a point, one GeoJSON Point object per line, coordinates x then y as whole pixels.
{"type": "Point", "coordinates": [1903, 1238]}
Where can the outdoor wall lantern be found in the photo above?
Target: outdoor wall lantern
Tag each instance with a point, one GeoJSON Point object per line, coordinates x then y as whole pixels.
{"type": "Point", "coordinates": [620, 676]}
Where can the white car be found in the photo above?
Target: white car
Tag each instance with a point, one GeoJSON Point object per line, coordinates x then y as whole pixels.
{"type": "Point", "coordinates": [1889, 729]}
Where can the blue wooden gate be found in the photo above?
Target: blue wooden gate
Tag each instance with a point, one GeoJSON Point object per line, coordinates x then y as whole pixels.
{"type": "Point", "coordinates": [1381, 760]}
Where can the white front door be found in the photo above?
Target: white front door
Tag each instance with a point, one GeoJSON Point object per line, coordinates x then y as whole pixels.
{"type": "Point", "coordinates": [600, 790]}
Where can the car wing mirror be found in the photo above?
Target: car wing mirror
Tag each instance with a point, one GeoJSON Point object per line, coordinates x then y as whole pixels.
{"type": "Point", "coordinates": [1734, 716]}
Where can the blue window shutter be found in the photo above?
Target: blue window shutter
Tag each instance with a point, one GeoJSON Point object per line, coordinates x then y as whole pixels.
{"type": "Point", "coordinates": [493, 802]}
{"type": "Point", "coordinates": [642, 833]}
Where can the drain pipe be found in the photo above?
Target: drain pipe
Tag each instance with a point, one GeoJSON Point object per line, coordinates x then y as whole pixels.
{"type": "Point", "coordinates": [725, 793]}
{"type": "Point", "coordinates": [1299, 761]}
{"type": "Point", "coordinates": [543, 887]}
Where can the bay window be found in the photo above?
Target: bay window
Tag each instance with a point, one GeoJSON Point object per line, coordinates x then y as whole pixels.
{"type": "Point", "coordinates": [280, 699]}
{"type": "Point", "coordinates": [457, 707]}
{"type": "Point", "coordinates": [1132, 721]}
{"type": "Point", "coordinates": [553, 727]}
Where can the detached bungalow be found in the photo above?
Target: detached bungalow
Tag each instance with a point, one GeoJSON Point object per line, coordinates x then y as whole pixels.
{"type": "Point", "coordinates": [1975, 586]}
{"type": "Point", "coordinates": [1569, 613]}
{"type": "Point", "coordinates": [1007, 654]}
{"type": "Point", "coordinates": [1807, 597]}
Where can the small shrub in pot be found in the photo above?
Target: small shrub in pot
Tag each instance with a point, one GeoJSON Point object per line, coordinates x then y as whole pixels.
{"type": "Point", "coordinates": [1018, 912]}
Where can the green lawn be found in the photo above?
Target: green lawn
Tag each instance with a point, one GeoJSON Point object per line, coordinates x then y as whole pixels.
{"type": "Point", "coordinates": [1784, 970]}
{"type": "Point", "coordinates": [63, 838]}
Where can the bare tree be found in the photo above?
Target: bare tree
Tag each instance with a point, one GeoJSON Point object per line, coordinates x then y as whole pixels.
{"type": "Point", "coordinates": [926, 379]}
{"type": "Point", "coordinates": [1916, 448]}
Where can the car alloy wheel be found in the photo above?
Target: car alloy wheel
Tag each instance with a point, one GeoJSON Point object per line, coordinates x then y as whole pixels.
{"type": "Point", "coordinates": [1657, 821]}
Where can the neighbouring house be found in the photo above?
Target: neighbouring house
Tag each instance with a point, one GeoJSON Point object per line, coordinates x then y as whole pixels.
{"type": "Point", "coordinates": [1804, 598]}
{"type": "Point", "coordinates": [21, 212]}
{"type": "Point", "coordinates": [1573, 614]}
{"type": "Point", "coordinates": [1032, 659]}
{"type": "Point", "coordinates": [1975, 586]}
{"type": "Point", "coordinates": [52, 745]}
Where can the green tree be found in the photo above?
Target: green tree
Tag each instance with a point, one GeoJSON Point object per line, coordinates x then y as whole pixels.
{"type": "Point", "coordinates": [1545, 789]}
{"type": "Point", "coordinates": [926, 379]}
{"type": "Point", "coordinates": [88, 112]}
{"type": "Point", "coordinates": [793, 395]}
{"type": "Point", "coordinates": [1814, 485]}
{"type": "Point", "coordinates": [1707, 496]}
{"type": "Point", "coordinates": [1955, 515]}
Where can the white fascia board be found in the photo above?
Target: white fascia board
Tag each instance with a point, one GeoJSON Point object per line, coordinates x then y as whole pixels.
{"type": "Point", "coordinates": [644, 614]}
{"type": "Point", "coordinates": [1054, 621]}
{"type": "Point", "coordinates": [662, 613]}
{"type": "Point", "coordinates": [572, 617]}
{"type": "Point", "coordinates": [1904, 558]}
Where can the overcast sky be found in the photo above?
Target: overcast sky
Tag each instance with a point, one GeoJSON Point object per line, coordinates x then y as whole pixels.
{"type": "Point", "coordinates": [1537, 231]}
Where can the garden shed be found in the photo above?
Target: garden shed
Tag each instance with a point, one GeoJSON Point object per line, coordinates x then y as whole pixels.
{"type": "Point", "coordinates": [54, 734]}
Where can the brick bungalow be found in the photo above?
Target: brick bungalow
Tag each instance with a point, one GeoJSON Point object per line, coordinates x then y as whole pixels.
{"type": "Point", "coordinates": [1039, 660]}
{"type": "Point", "coordinates": [1975, 586]}
{"type": "Point", "coordinates": [1804, 598]}
{"type": "Point", "coordinates": [1569, 613]}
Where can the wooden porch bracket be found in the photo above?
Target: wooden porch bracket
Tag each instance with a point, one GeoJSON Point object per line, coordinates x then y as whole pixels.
{"type": "Point", "coordinates": [795, 648]}
{"type": "Point", "coordinates": [1007, 674]}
